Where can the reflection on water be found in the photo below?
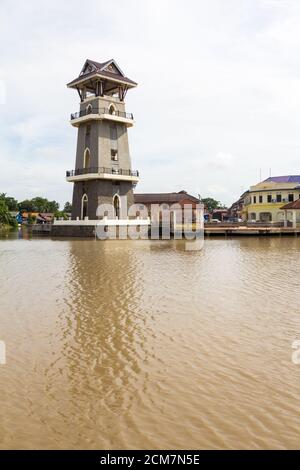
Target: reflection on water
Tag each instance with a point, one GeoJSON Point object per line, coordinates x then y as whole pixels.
{"type": "Point", "coordinates": [123, 344]}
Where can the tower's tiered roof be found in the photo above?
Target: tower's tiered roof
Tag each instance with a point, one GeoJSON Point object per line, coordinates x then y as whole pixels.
{"type": "Point", "coordinates": [108, 70]}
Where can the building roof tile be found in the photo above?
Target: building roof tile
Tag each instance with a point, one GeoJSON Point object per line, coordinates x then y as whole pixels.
{"type": "Point", "coordinates": [291, 205]}
{"type": "Point", "coordinates": [283, 179]}
{"type": "Point", "coordinates": [158, 198]}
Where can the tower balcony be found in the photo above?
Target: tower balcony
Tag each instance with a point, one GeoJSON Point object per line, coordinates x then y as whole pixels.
{"type": "Point", "coordinates": [101, 173]}
{"type": "Point", "coordinates": [99, 114]}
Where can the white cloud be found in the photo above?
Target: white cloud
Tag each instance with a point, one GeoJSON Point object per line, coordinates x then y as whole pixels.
{"type": "Point", "coordinates": [216, 190]}
{"type": "Point", "coordinates": [2, 92]}
{"type": "Point", "coordinates": [223, 160]}
{"type": "Point", "coordinates": [212, 75]}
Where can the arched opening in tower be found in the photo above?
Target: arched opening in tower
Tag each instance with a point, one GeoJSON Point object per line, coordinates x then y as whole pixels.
{"type": "Point", "coordinates": [84, 207]}
{"type": "Point", "coordinates": [116, 203]}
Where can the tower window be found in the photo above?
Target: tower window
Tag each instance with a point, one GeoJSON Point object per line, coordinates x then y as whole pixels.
{"type": "Point", "coordinates": [116, 203]}
{"type": "Point", "coordinates": [113, 142]}
{"type": "Point", "coordinates": [87, 135]}
{"type": "Point", "coordinates": [114, 154]}
{"type": "Point", "coordinates": [87, 159]}
{"type": "Point", "coordinates": [84, 206]}
{"type": "Point", "coordinates": [113, 133]}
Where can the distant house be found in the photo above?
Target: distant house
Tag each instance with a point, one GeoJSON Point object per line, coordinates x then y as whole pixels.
{"type": "Point", "coordinates": [220, 214]}
{"type": "Point", "coordinates": [38, 217]}
{"type": "Point", "coordinates": [26, 215]}
{"type": "Point", "coordinates": [165, 200]}
{"type": "Point", "coordinates": [237, 210]}
{"type": "Point", "coordinates": [265, 200]}
{"type": "Point", "coordinates": [292, 212]}
{"type": "Point", "coordinates": [45, 218]}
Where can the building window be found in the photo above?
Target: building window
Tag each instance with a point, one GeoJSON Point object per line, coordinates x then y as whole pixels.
{"type": "Point", "coordinates": [87, 135]}
{"type": "Point", "coordinates": [113, 133]}
{"type": "Point", "coordinates": [260, 199]}
{"type": "Point", "coordinates": [114, 154]}
{"type": "Point", "coordinates": [253, 216]}
{"type": "Point", "coordinates": [254, 199]}
{"type": "Point", "coordinates": [269, 198]}
{"type": "Point", "coordinates": [291, 197]}
{"type": "Point", "coordinates": [265, 217]}
{"type": "Point", "coordinates": [87, 158]}
{"type": "Point", "coordinates": [280, 216]}
{"type": "Point", "coordinates": [116, 203]}
{"type": "Point", "coordinates": [113, 142]}
{"type": "Point", "coordinates": [278, 198]}
{"type": "Point", "coordinates": [84, 206]}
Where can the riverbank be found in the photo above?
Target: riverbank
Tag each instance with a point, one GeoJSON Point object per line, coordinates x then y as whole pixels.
{"type": "Point", "coordinates": [225, 230]}
{"type": "Point", "coordinates": [220, 230]}
{"type": "Point", "coordinates": [251, 231]}
{"type": "Point", "coordinates": [6, 228]}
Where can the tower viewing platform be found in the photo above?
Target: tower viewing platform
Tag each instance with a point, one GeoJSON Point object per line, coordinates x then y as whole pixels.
{"type": "Point", "coordinates": [98, 114]}
{"type": "Point", "coordinates": [83, 174]}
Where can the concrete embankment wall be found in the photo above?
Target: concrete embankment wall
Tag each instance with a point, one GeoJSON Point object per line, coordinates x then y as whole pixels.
{"type": "Point", "coordinates": [73, 231]}
{"type": "Point", "coordinates": [85, 231]}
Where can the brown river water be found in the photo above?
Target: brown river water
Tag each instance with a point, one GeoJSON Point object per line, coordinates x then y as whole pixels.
{"type": "Point", "coordinates": [141, 344]}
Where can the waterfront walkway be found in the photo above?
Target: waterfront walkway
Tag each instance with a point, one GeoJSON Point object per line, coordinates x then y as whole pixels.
{"type": "Point", "coordinates": [249, 230]}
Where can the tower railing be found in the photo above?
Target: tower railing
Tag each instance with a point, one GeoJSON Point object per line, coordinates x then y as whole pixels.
{"type": "Point", "coordinates": [100, 111]}
{"type": "Point", "coordinates": [99, 170]}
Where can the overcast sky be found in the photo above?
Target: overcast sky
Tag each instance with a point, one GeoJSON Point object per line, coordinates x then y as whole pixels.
{"type": "Point", "coordinates": [218, 95]}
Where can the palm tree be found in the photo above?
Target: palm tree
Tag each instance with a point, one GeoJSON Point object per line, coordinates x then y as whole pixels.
{"type": "Point", "coordinates": [5, 217]}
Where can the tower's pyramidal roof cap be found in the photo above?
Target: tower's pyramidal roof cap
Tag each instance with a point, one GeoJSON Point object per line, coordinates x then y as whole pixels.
{"type": "Point", "coordinates": [108, 70]}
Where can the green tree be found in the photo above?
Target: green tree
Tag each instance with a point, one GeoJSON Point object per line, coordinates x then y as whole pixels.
{"type": "Point", "coordinates": [31, 219]}
{"type": "Point", "coordinates": [53, 206]}
{"type": "Point", "coordinates": [43, 205]}
{"type": "Point", "coordinates": [68, 207]}
{"type": "Point", "coordinates": [59, 214]}
{"type": "Point", "coordinates": [38, 204]}
{"type": "Point", "coordinates": [26, 205]}
{"type": "Point", "coordinates": [11, 202]}
{"type": "Point", "coordinates": [5, 217]}
{"type": "Point", "coordinates": [211, 203]}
